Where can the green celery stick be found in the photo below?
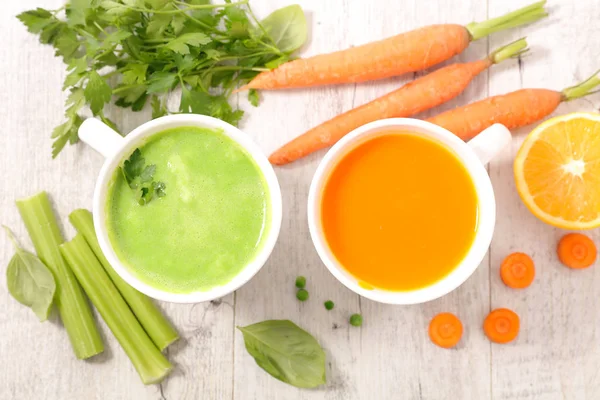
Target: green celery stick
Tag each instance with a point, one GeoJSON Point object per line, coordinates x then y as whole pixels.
{"type": "Point", "coordinates": [73, 307]}
{"type": "Point", "coordinates": [150, 363]}
{"type": "Point", "coordinates": [155, 324]}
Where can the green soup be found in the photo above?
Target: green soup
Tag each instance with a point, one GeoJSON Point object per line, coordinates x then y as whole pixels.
{"type": "Point", "coordinates": [209, 225]}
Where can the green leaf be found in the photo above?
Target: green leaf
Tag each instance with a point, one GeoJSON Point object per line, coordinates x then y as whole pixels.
{"type": "Point", "coordinates": [135, 73]}
{"type": "Point", "coordinates": [66, 44]}
{"type": "Point", "coordinates": [78, 11]}
{"type": "Point", "coordinates": [184, 63]}
{"type": "Point", "coordinates": [51, 31]}
{"type": "Point", "coordinates": [97, 92]}
{"type": "Point", "coordinates": [287, 28]}
{"type": "Point", "coordinates": [286, 352]}
{"type": "Point", "coordinates": [110, 123]}
{"type": "Point", "coordinates": [193, 80]}
{"type": "Point", "coordinates": [115, 37]}
{"type": "Point", "coordinates": [193, 101]}
{"type": "Point", "coordinates": [161, 82]}
{"type": "Point", "coordinates": [148, 173]}
{"type": "Point", "coordinates": [158, 108]}
{"type": "Point", "coordinates": [253, 97]}
{"type": "Point", "coordinates": [157, 4]}
{"type": "Point", "coordinates": [220, 108]}
{"type": "Point", "coordinates": [36, 20]}
{"type": "Point", "coordinates": [29, 281]}
{"type": "Point", "coordinates": [65, 133]}
{"type": "Point", "coordinates": [178, 23]}
{"type": "Point", "coordinates": [139, 177]}
{"type": "Point", "coordinates": [62, 129]}
{"type": "Point", "coordinates": [213, 54]}
{"type": "Point", "coordinates": [182, 43]}
{"type": "Point", "coordinates": [75, 101]}
{"type": "Point", "coordinates": [133, 166]}
{"type": "Point", "coordinates": [237, 22]}
{"type": "Point", "coordinates": [72, 79]}
{"type": "Point", "coordinates": [130, 94]}
{"type": "Point", "coordinates": [277, 62]}
{"type": "Point", "coordinates": [114, 8]}
{"type": "Point", "coordinates": [157, 24]}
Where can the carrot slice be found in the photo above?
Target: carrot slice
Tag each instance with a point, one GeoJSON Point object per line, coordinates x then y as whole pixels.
{"type": "Point", "coordinates": [576, 251]}
{"type": "Point", "coordinates": [501, 325]}
{"type": "Point", "coordinates": [517, 270]}
{"type": "Point", "coordinates": [445, 330]}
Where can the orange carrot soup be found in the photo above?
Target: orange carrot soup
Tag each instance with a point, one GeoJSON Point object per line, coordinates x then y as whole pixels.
{"type": "Point", "coordinates": [399, 212]}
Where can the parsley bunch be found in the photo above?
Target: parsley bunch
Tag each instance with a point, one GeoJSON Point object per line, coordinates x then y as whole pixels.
{"type": "Point", "coordinates": [138, 51]}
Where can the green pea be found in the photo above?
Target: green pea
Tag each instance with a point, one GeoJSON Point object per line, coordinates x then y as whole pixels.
{"type": "Point", "coordinates": [356, 320]}
{"type": "Point", "coordinates": [329, 305]}
{"type": "Point", "coordinates": [300, 282]}
{"type": "Point", "coordinates": [302, 295]}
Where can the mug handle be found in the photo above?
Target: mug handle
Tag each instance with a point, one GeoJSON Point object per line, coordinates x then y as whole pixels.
{"type": "Point", "coordinates": [489, 143]}
{"type": "Point", "coordinates": [100, 137]}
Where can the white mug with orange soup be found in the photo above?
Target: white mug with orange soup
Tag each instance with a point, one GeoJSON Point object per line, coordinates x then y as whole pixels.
{"type": "Point", "coordinates": [402, 211]}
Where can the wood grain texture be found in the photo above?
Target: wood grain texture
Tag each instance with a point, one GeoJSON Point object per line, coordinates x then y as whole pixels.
{"type": "Point", "coordinates": [390, 357]}
{"type": "Point", "coordinates": [557, 349]}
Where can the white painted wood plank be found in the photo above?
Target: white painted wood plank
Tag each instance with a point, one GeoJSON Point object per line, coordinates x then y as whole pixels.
{"type": "Point", "coordinates": [556, 354]}
{"type": "Point", "coordinates": [38, 360]}
{"type": "Point", "coordinates": [390, 356]}
{"type": "Point", "coordinates": [394, 343]}
{"type": "Point", "coordinates": [271, 294]}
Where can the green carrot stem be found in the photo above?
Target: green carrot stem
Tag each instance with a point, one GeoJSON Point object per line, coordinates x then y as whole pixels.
{"type": "Point", "coordinates": [511, 50]}
{"type": "Point", "coordinates": [154, 323]}
{"type": "Point", "coordinates": [582, 89]}
{"type": "Point", "coordinates": [70, 300]}
{"type": "Point", "coordinates": [522, 16]}
{"type": "Point", "coordinates": [150, 363]}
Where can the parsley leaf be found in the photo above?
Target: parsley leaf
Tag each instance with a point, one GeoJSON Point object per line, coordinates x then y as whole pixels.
{"type": "Point", "coordinates": [181, 44]}
{"type": "Point", "coordinates": [97, 92]}
{"type": "Point", "coordinates": [158, 108]}
{"type": "Point", "coordinates": [147, 173]}
{"type": "Point", "coordinates": [161, 82]}
{"type": "Point", "coordinates": [253, 97]}
{"type": "Point", "coordinates": [36, 20]}
{"type": "Point", "coordinates": [133, 166]}
{"type": "Point", "coordinates": [140, 177]}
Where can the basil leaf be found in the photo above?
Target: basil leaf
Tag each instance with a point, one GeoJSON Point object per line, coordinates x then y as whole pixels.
{"type": "Point", "coordinates": [287, 28]}
{"type": "Point", "coordinates": [29, 281]}
{"type": "Point", "coordinates": [286, 351]}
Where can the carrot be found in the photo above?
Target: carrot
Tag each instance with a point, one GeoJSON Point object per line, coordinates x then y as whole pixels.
{"type": "Point", "coordinates": [419, 95]}
{"type": "Point", "coordinates": [445, 330]}
{"type": "Point", "coordinates": [501, 325]}
{"type": "Point", "coordinates": [513, 110]}
{"type": "Point", "coordinates": [407, 52]}
{"type": "Point", "coordinates": [517, 270]}
{"type": "Point", "coordinates": [576, 250]}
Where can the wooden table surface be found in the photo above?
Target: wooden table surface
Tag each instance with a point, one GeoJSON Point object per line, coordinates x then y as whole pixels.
{"type": "Point", "coordinates": [556, 356]}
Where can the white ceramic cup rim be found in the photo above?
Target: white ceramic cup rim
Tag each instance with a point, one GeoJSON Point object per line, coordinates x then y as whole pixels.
{"type": "Point", "coordinates": [115, 148]}
{"type": "Point", "coordinates": [474, 155]}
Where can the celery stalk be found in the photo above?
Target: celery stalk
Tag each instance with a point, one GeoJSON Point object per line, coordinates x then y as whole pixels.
{"type": "Point", "coordinates": [70, 300]}
{"type": "Point", "coordinates": [154, 323]}
{"type": "Point", "coordinates": [150, 363]}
